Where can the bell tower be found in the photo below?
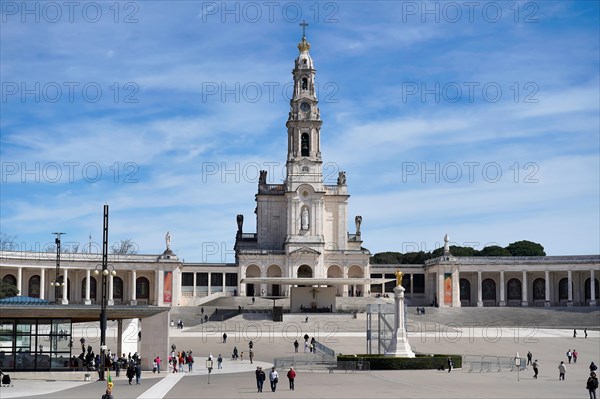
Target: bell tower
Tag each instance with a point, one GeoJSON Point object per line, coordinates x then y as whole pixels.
{"type": "Point", "coordinates": [304, 164]}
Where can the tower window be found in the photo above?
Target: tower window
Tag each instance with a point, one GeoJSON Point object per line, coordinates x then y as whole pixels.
{"type": "Point", "coordinates": [304, 84]}
{"type": "Point", "coordinates": [304, 145]}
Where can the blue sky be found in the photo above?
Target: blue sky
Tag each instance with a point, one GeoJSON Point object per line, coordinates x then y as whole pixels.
{"type": "Point", "coordinates": [480, 121]}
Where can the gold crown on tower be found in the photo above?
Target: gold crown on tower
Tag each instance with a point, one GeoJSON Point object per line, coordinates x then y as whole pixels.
{"type": "Point", "coordinates": [303, 45]}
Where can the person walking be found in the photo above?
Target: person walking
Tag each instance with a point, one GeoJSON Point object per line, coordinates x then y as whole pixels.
{"type": "Point", "coordinates": [296, 345]}
{"type": "Point", "coordinates": [291, 375]}
{"type": "Point", "coordinates": [592, 385]}
{"type": "Point", "coordinates": [450, 364]}
{"type": "Point", "coordinates": [219, 362]}
{"type": "Point", "coordinates": [158, 364]}
{"type": "Point", "coordinates": [529, 357]}
{"type": "Point", "coordinates": [138, 373]}
{"type": "Point", "coordinates": [251, 355]}
{"type": "Point", "coordinates": [569, 355]}
{"type": "Point", "coordinates": [224, 338]}
{"type": "Point", "coordinates": [585, 333]}
{"type": "Point", "coordinates": [250, 345]}
{"type": "Point", "coordinates": [562, 370]}
{"type": "Point", "coordinates": [235, 353]}
{"type": "Point", "coordinates": [535, 366]}
{"type": "Point", "coordinates": [593, 367]}
{"type": "Point", "coordinates": [574, 333]}
{"type": "Point", "coordinates": [130, 372]}
{"type": "Point", "coordinates": [108, 394]}
{"type": "Point", "coordinates": [190, 362]}
{"type": "Point", "coordinates": [575, 354]}
{"type": "Point", "coordinates": [260, 378]}
{"type": "Point", "coordinates": [274, 378]}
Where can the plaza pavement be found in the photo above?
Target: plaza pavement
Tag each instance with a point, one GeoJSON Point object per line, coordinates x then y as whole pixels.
{"type": "Point", "coordinates": [271, 340]}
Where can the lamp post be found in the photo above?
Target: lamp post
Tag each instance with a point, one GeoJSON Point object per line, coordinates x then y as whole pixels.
{"type": "Point", "coordinates": [57, 283]}
{"type": "Point", "coordinates": [105, 272]}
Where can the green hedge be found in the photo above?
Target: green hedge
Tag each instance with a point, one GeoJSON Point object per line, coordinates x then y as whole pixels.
{"type": "Point", "coordinates": [421, 362]}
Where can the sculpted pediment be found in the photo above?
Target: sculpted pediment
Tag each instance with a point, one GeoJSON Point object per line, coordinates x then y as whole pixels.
{"type": "Point", "coordinates": [305, 250]}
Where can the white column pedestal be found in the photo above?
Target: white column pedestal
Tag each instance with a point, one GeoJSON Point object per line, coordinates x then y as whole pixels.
{"type": "Point", "coordinates": [399, 346]}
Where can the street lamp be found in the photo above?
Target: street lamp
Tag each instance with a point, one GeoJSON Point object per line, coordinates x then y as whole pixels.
{"type": "Point", "coordinates": [58, 282]}
{"type": "Point", "coordinates": [105, 269]}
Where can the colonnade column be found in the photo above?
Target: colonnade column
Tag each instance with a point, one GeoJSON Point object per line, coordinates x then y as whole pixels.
{"type": "Point", "coordinates": [111, 300]}
{"type": "Point", "coordinates": [592, 288]}
{"type": "Point", "coordinates": [133, 293]}
{"type": "Point", "coordinates": [194, 287]}
{"type": "Point", "coordinates": [570, 288]}
{"type": "Point", "coordinates": [87, 287]}
{"type": "Point", "coordinates": [223, 282]}
{"type": "Point", "coordinates": [547, 288]}
{"type": "Point", "coordinates": [502, 289]}
{"type": "Point", "coordinates": [440, 288]}
{"type": "Point", "coordinates": [65, 288]}
{"type": "Point", "coordinates": [209, 285]}
{"type": "Point", "coordinates": [479, 292]}
{"type": "Point", "coordinates": [43, 284]}
{"type": "Point", "coordinates": [455, 288]}
{"type": "Point", "coordinates": [524, 300]}
{"type": "Point", "coordinates": [20, 281]}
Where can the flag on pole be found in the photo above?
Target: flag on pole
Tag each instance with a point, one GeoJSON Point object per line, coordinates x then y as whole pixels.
{"type": "Point", "coordinates": [109, 383]}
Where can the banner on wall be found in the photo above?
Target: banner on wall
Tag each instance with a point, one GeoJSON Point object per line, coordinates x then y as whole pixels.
{"type": "Point", "coordinates": [168, 287]}
{"type": "Point", "coordinates": [448, 289]}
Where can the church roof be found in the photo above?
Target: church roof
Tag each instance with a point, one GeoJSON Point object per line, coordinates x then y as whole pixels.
{"type": "Point", "coordinates": [313, 281]}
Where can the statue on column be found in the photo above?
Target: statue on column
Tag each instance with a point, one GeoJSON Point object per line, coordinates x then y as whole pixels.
{"type": "Point", "coordinates": [399, 275]}
{"type": "Point", "coordinates": [341, 181]}
{"type": "Point", "coordinates": [262, 179]}
{"type": "Point", "coordinates": [446, 244]}
{"type": "Point", "coordinates": [168, 241]}
{"type": "Point", "coordinates": [357, 222]}
{"type": "Point", "coordinates": [240, 222]}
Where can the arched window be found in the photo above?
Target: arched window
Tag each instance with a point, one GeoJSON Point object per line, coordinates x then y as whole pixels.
{"type": "Point", "coordinates": [588, 289]}
{"type": "Point", "coordinates": [563, 289]}
{"type": "Point", "coordinates": [488, 290]}
{"type": "Point", "coordinates": [304, 145]}
{"type": "Point", "coordinates": [117, 288]}
{"type": "Point", "coordinates": [514, 289]}
{"type": "Point", "coordinates": [93, 288]}
{"type": "Point", "coordinates": [304, 84]}
{"type": "Point", "coordinates": [142, 288]}
{"type": "Point", "coordinates": [33, 289]}
{"type": "Point", "coordinates": [539, 289]}
{"type": "Point", "coordinates": [10, 279]}
{"type": "Point", "coordinates": [465, 289]}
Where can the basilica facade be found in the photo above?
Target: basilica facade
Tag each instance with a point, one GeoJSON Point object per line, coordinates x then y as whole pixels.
{"type": "Point", "coordinates": [302, 249]}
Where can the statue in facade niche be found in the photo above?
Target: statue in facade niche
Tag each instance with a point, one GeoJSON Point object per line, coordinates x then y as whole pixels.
{"type": "Point", "coordinates": [304, 219]}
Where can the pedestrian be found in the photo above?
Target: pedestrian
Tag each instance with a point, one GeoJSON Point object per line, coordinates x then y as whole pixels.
{"type": "Point", "coordinates": [312, 347]}
{"type": "Point", "coordinates": [172, 323]}
{"type": "Point", "coordinates": [291, 375]}
{"type": "Point", "coordinates": [154, 368]}
{"type": "Point", "coordinates": [296, 345]}
{"type": "Point", "coordinates": [130, 372]}
{"type": "Point", "coordinates": [108, 394]}
{"type": "Point", "coordinates": [253, 300]}
{"type": "Point", "coordinates": [219, 362]}
{"type": "Point", "coordinates": [179, 324]}
{"type": "Point", "coordinates": [117, 367]}
{"type": "Point", "coordinates": [574, 333]}
{"type": "Point", "coordinates": [529, 357]}
{"type": "Point", "coordinates": [575, 354]}
{"type": "Point", "coordinates": [138, 373]}
{"type": "Point", "coordinates": [450, 364]}
{"type": "Point", "coordinates": [206, 318]}
{"type": "Point", "coordinates": [274, 378]}
{"type": "Point", "coordinates": [224, 338]}
{"type": "Point", "coordinates": [180, 361]}
{"type": "Point", "coordinates": [190, 362]}
{"type": "Point", "coordinates": [306, 337]}
{"type": "Point", "coordinates": [593, 367]}
{"type": "Point", "coordinates": [562, 370]}
{"type": "Point", "coordinates": [234, 356]}
{"type": "Point", "coordinates": [305, 346]}
{"type": "Point", "coordinates": [585, 333]}
{"type": "Point", "coordinates": [535, 369]}
{"type": "Point", "coordinates": [241, 356]}
{"type": "Point", "coordinates": [158, 364]}
{"type": "Point", "coordinates": [569, 355]}
{"type": "Point", "coordinates": [174, 361]}
{"type": "Point", "coordinates": [592, 385]}
{"type": "Point", "coordinates": [260, 378]}
{"type": "Point", "coordinates": [251, 355]}
{"type": "Point", "coordinates": [250, 345]}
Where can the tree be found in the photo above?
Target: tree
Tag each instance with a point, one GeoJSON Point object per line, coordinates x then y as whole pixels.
{"type": "Point", "coordinates": [7, 290]}
{"type": "Point", "coordinates": [414, 258]}
{"type": "Point", "coordinates": [494, 250]}
{"type": "Point", "coordinates": [456, 251]}
{"type": "Point", "coordinates": [124, 247]}
{"type": "Point", "coordinates": [8, 242]}
{"type": "Point", "coordinates": [386, 258]}
{"type": "Point", "coordinates": [526, 248]}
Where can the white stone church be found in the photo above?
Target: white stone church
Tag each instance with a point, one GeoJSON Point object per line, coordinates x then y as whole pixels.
{"type": "Point", "coordinates": [302, 250]}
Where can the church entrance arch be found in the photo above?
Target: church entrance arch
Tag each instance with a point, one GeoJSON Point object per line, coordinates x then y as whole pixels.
{"type": "Point", "coordinates": [305, 271]}
{"type": "Point", "coordinates": [274, 289]}
{"type": "Point", "coordinates": [465, 291]}
{"type": "Point", "coordinates": [335, 272]}
{"type": "Point", "coordinates": [252, 271]}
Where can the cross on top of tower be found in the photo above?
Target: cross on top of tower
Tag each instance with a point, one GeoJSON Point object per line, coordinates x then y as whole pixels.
{"type": "Point", "coordinates": [303, 24]}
